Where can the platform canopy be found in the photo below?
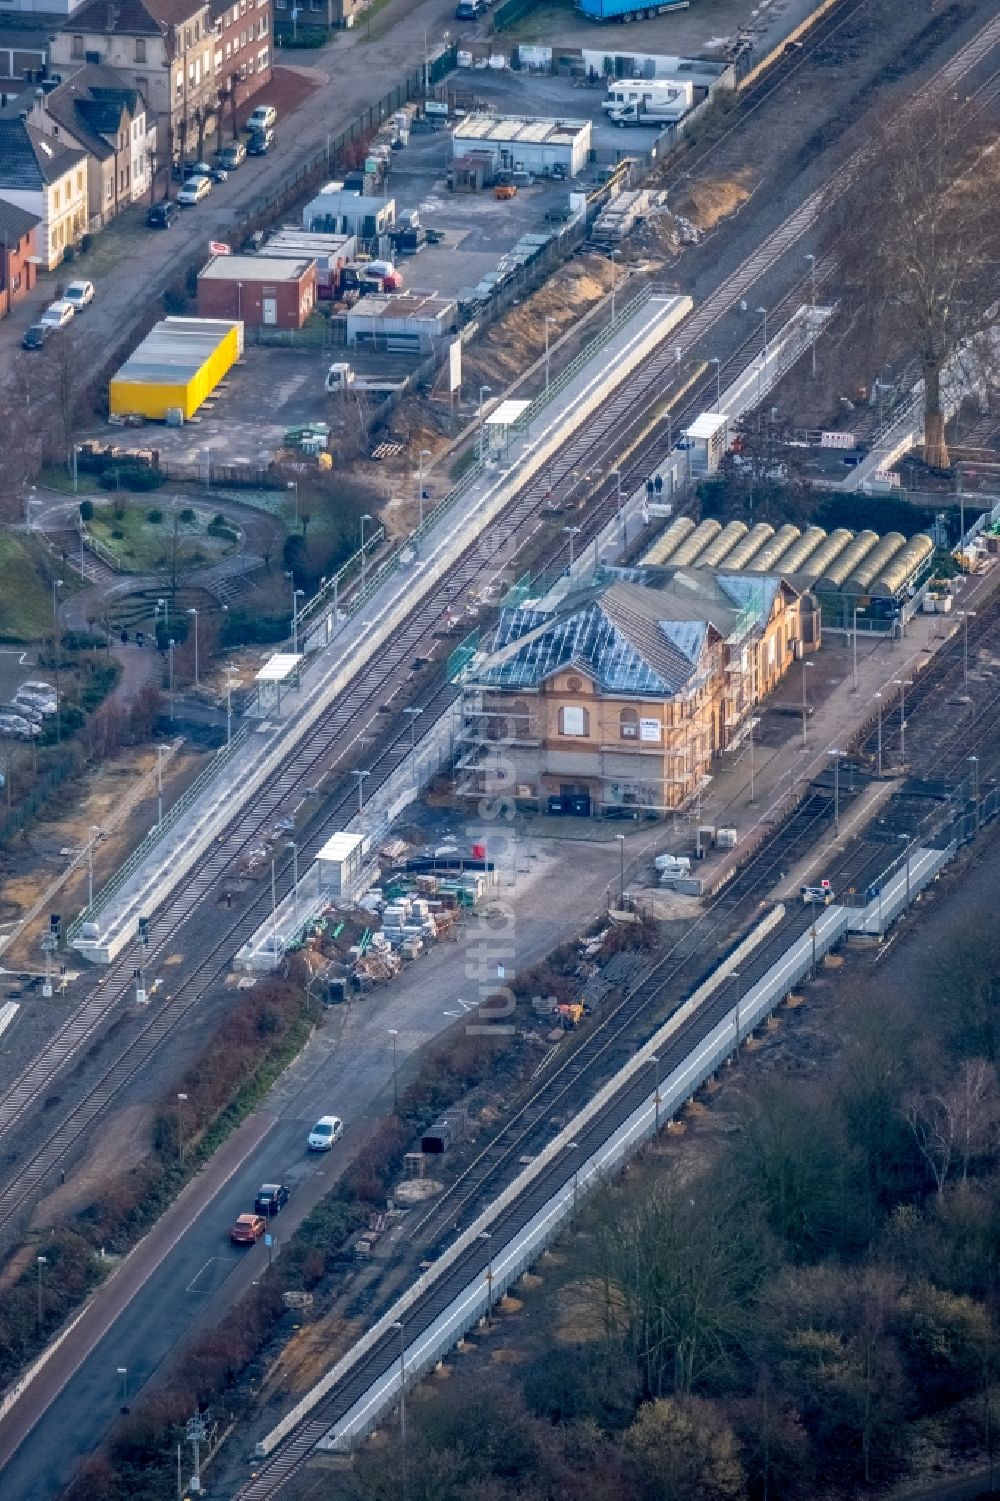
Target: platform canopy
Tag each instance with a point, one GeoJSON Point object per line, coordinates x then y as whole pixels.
{"type": "Point", "coordinates": [340, 846]}
{"type": "Point", "coordinates": [280, 667]}
{"type": "Point", "coordinates": [707, 425]}
{"type": "Point", "coordinates": [507, 413]}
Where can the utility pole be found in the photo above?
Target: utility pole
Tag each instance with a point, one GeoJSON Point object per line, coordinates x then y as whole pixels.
{"type": "Point", "coordinates": [836, 754]}
{"type": "Point", "coordinates": [196, 1431]}
{"type": "Point", "coordinates": [878, 761]}
{"type": "Point", "coordinates": [41, 1261]}
{"type": "Point", "coordinates": [805, 703]}
{"type": "Point", "coordinates": [181, 1100]}
{"type": "Point", "coordinates": [361, 785]}
{"type": "Point", "coordinates": [812, 310]}
{"type": "Point", "coordinates": [902, 684]}
{"type": "Point", "coordinates": [394, 1033]}
{"type": "Point", "coordinates": [397, 1325]}
{"type": "Point", "coordinates": [192, 611]}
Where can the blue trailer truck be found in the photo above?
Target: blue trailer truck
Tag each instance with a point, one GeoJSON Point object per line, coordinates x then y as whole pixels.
{"type": "Point", "coordinates": [627, 10]}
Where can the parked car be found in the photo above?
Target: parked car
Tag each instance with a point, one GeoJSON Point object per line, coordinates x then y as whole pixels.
{"type": "Point", "coordinates": [819, 895]}
{"type": "Point", "coordinates": [247, 1230]}
{"type": "Point", "coordinates": [271, 1199]}
{"type": "Point", "coordinates": [260, 142]}
{"type": "Point", "coordinates": [205, 169]}
{"type": "Point", "coordinates": [35, 336]}
{"type": "Point", "coordinates": [327, 1130]}
{"type": "Point", "coordinates": [39, 685]}
{"type": "Point", "coordinates": [58, 314]}
{"type": "Point", "coordinates": [194, 190]}
{"type": "Point", "coordinates": [162, 215]}
{"type": "Point", "coordinates": [232, 156]}
{"type": "Point", "coordinates": [80, 294]}
{"type": "Point", "coordinates": [18, 728]}
{"type": "Point", "coordinates": [264, 117]}
{"type": "Point", "coordinates": [23, 711]}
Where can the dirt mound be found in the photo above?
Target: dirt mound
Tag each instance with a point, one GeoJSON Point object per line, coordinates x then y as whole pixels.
{"type": "Point", "coordinates": [707, 203]}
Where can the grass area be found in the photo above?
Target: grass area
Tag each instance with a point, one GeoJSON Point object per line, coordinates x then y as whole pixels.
{"type": "Point", "coordinates": [56, 477]}
{"type": "Point", "coordinates": [26, 573]}
{"type": "Point", "coordinates": [140, 535]}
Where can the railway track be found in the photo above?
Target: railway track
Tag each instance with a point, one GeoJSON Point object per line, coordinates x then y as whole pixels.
{"type": "Point", "coordinates": [347, 719]}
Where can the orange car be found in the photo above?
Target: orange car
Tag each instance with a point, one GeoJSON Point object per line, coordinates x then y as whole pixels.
{"type": "Point", "coordinates": [248, 1230]}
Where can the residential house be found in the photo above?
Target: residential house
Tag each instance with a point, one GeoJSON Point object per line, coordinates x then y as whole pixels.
{"type": "Point", "coordinates": [615, 695]}
{"type": "Point", "coordinates": [242, 54]}
{"type": "Point", "coordinates": [18, 253]}
{"type": "Point", "coordinates": [47, 178]}
{"type": "Point", "coordinates": [98, 111]}
{"type": "Point", "coordinates": [326, 13]}
{"type": "Point", "coordinates": [163, 49]}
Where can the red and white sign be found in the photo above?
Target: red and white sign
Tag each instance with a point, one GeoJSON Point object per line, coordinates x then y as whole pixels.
{"type": "Point", "coordinates": [219, 247]}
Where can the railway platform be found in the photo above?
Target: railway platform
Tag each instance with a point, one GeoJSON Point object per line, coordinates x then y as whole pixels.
{"type": "Point", "coordinates": [337, 648]}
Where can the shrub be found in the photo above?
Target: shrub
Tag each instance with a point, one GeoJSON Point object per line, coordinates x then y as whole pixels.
{"type": "Point", "coordinates": [154, 517]}
{"type": "Point", "coordinates": [131, 477]}
{"type": "Point", "coordinates": [187, 516]}
{"type": "Point", "coordinates": [86, 510]}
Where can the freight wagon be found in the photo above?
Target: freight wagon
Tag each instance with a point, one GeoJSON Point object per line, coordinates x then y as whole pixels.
{"type": "Point", "coordinates": [627, 10]}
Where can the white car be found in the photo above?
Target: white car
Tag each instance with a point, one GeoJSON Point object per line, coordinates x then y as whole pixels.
{"type": "Point", "coordinates": [264, 117]}
{"type": "Point", "coordinates": [58, 314]}
{"type": "Point", "coordinates": [80, 294]}
{"type": "Point", "coordinates": [194, 190]}
{"type": "Point", "coordinates": [327, 1130]}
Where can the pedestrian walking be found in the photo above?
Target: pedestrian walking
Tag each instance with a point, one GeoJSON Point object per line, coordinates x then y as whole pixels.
{"type": "Point", "coordinates": [658, 484]}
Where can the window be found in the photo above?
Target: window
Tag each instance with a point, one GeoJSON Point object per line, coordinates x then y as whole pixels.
{"type": "Point", "coordinates": [77, 48]}
{"type": "Point", "coordinates": [140, 49]}
{"type": "Point", "coordinates": [628, 725]}
{"type": "Point", "coordinates": [179, 82]}
{"type": "Point", "coordinates": [197, 31]}
{"type": "Point", "coordinates": [574, 720]}
{"type": "Point", "coordinates": [55, 200]}
{"type": "Point", "coordinates": [110, 192]}
{"type": "Point", "coordinates": [142, 84]}
{"type": "Point", "coordinates": [229, 50]}
{"type": "Point", "coordinates": [17, 281]}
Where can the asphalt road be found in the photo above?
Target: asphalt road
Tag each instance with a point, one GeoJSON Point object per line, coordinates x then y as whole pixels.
{"type": "Point", "coordinates": [345, 1070]}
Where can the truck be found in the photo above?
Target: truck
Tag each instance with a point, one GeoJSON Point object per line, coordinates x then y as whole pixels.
{"type": "Point", "coordinates": [627, 10]}
{"type": "Point", "coordinates": [341, 377]}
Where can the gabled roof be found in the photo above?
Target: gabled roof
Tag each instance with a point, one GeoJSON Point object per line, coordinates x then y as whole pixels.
{"type": "Point", "coordinates": [15, 222]}
{"type": "Point", "coordinates": [31, 160]}
{"type": "Point", "coordinates": [131, 17]}
{"type": "Point", "coordinates": [91, 106]}
{"type": "Point", "coordinates": [616, 632]}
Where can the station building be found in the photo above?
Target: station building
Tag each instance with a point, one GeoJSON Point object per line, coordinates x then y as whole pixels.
{"type": "Point", "coordinates": [617, 694]}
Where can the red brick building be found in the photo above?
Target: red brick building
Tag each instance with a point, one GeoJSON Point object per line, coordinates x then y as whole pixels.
{"type": "Point", "coordinates": [243, 56]}
{"type": "Point", "coordinates": [262, 291]}
{"type": "Point", "coordinates": [18, 246]}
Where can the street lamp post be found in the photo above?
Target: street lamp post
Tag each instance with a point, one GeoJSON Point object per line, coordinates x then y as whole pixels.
{"type": "Point", "coordinates": [123, 1373]}
{"type": "Point", "coordinates": [94, 832]}
{"type": "Point", "coordinates": [293, 485]}
{"type": "Point", "coordinates": [854, 652]}
{"type": "Point", "coordinates": [361, 787]}
{"type": "Point", "coordinates": [425, 453]}
{"type": "Point", "coordinates": [654, 1059]}
{"type": "Point", "coordinates": [40, 1262]}
{"type": "Point", "coordinates": [975, 766]}
{"type": "Point", "coordinates": [397, 1325]}
{"type": "Point", "coordinates": [902, 684]}
{"type": "Point", "coordinates": [763, 369]}
{"type": "Point", "coordinates": [161, 751]}
{"type": "Point", "coordinates": [414, 714]}
{"type": "Point", "coordinates": [966, 615]}
{"type": "Point", "coordinates": [483, 391]}
{"type": "Point", "coordinates": [715, 360]}
{"type": "Point", "coordinates": [193, 612]}
{"type": "Point", "coordinates": [181, 1101]}
{"type": "Point", "coordinates": [76, 469]}
{"type": "Point", "coordinates": [170, 673]}
{"type": "Point", "coordinates": [621, 871]}
{"type": "Point", "coordinates": [548, 321]}
{"type": "Point", "coordinates": [753, 726]}
{"type": "Point", "coordinates": [231, 683]}
{"type": "Point", "coordinates": [571, 532]}
{"type": "Point", "coordinates": [836, 754]}
{"type": "Point", "coordinates": [805, 702]}
{"type": "Point", "coordinates": [614, 281]}
{"type": "Point", "coordinates": [878, 742]}
{"type": "Point", "coordinates": [618, 501]}
{"type": "Point", "coordinates": [394, 1033]}
{"type": "Point", "coordinates": [297, 594]}
{"type": "Point", "coordinates": [486, 1237]}
{"type": "Point", "coordinates": [812, 310]}
{"type": "Point", "coordinates": [274, 912]}
{"type": "Point", "coordinates": [291, 844]}
{"type": "Point", "coordinates": [364, 518]}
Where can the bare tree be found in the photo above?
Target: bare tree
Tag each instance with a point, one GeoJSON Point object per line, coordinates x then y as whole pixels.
{"type": "Point", "coordinates": [952, 1125]}
{"type": "Point", "coordinates": [915, 237]}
